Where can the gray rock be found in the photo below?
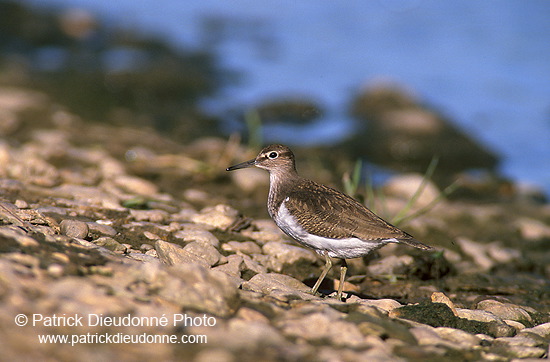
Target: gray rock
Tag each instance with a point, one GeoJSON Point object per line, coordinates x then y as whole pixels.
{"type": "Point", "coordinates": [385, 305]}
{"type": "Point", "coordinates": [438, 297]}
{"type": "Point", "coordinates": [542, 330]}
{"type": "Point", "coordinates": [110, 243]}
{"type": "Point", "coordinates": [517, 350]}
{"type": "Point", "coordinates": [234, 266]}
{"type": "Point", "coordinates": [252, 267]}
{"type": "Point", "coordinates": [477, 251]}
{"type": "Point", "coordinates": [278, 286]}
{"type": "Point", "coordinates": [96, 228]}
{"type": "Point", "coordinates": [461, 339]}
{"type": "Point", "coordinates": [74, 228]}
{"type": "Point", "coordinates": [391, 265]}
{"type": "Point", "coordinates": [246, 247]}
{"type": "Point", "coordinates": [319, 328]}
{"type": "Point", "coordinates": [88, 195]}
{"type": "Point", "coordinates": [173, 254]}
{"type": "Point", "coordinates": [220, 216]}
{"type": "Point", "coordinates": [372, 322]}
{"type": "Point", "coordinates": [197, 233]}
{"type": "Point", "coordinates": [155, 216]}
{"type": "Point", "coordinates": [205, 251]}
{"type": "Point", "coordinates": [136, 185]}
{"type": "Point", "coordinates": [193, 287]}
{"type": "Point", "coordinates": [268, 231]}
{"type": "Point", "coordinates": [143, 257]}
{"type": "Point", "coordinates": [17, 234]}
{"type": "Point", "coordinates": [406, 185]}
{"type": "Point", "coordinates": [522, 340]}
{"type": "Point", "coordinates": [505, 310]}
{"type": "Point", "coordinates": [478, 315]}
{"type": "Point", "coordinates": [289, 259]}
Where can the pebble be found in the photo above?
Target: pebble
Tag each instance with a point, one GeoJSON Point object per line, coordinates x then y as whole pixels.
{"type": "Point", "coordinates": [173, 254]}
{"type": "Point", "coordinates": [462, 340]}
{"type": "Point", "coordinates": [219, 217]}
{"type": "Point", "coordinates": [289, 259]}
{"type": "Point", "coordinates": [196, 233]}
{"type": "Point", "coordinates": [319, 327]}
{"type": "Point", "coordinates": [385, 305]}
{"type": "Point", "coordinates": [505, 310]}
{"type": "Point", "coordinates": [234, 266]}
{"type": "Point", "coordinates": [74, 229]}
{"type": "Point", "coordinates": [405, 186]}
{"type": "Point", "coordinates": [96, 228]}
{"type": "Point", "coordinates": [194, 287]}
{"type": "Point", "coordinates": [477, 251]}
{"type": "Point", "coordinates": [155, 216]}
{"type": "Point", "coordinates": [279, 286]}
{"type": "Point", "coordinates": [391, 265]}
{"type": "Point", "coordinates": [542, 330]}
{"type": "Point", "coordinates": [439, 297]}
{"type": "Point", "coordinates": [205, 251]}
{"type": "Point", "coordinates": [246, 247]}
{"type": "Point", "coordinates": [196, 263]}
{"type": "Point", "coordinates": [56, 270]}
{"type": "Point", "coordinates": [136, 185]}
{"type": "Point", "coordinates": [110, 243]}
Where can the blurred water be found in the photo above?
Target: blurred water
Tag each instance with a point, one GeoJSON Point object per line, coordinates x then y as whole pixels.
{"type": "Point", "coordinates": [486, 64]}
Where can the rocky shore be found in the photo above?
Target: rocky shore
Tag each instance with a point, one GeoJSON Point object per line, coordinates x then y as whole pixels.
{"type": "Point", "coordinates": [111, 232]}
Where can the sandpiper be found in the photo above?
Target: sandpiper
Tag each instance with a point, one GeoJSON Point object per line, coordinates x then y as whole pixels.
{"type": "Point", "coordinates": [319, 217]}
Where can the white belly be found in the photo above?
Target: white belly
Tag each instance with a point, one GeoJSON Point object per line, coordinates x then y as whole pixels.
{"type": "Point", "coordinates": [337, 248]}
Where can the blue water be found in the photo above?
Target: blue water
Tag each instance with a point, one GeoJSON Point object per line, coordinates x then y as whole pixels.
{"type": "Point", "coordinates": [485, 64]}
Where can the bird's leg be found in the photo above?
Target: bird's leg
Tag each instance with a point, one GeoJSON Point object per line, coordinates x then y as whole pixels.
{"type": "Point", "coordinates": [343, 270]}
{"type": "Point", "coordinates": [328, 265]}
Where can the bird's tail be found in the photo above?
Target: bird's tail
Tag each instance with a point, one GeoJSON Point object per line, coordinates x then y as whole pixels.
{"type": "Point", "coordinates": [415, 243]}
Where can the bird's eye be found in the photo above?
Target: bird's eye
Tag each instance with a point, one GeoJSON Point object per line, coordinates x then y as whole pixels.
{"type": "Point", "coordinates": [272, 155]}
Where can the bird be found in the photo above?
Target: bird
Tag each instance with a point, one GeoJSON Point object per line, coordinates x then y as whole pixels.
{"type": "Point", "coordinates": [322, 218]}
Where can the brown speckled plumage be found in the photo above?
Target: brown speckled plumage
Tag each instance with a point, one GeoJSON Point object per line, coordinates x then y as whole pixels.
{"type": "Point", "coordinates": [320, 217]}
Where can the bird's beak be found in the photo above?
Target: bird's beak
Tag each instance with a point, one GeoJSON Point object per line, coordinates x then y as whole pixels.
{"type": "Point", "coordinates": [242, 165]}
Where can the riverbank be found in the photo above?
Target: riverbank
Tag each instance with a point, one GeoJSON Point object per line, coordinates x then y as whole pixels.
{"type": "Point", "coordinates": [121, 222]}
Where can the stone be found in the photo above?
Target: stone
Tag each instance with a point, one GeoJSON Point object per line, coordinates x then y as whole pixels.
{"type": "Point", "coordinates": [74, 228]}
{"type": "Point", "coordinates": [234, 266]}
{"type": "Point", "coordinates": [459, 338]}
{"type": "Point", "coordinates": [477, 252]}
{"type": "Point", "coordinates": [319, 328]}
{"type": "Point", "coordinates": [194, 233]}
{"type": "Point", "coordinates": [406, 186]}
{"type": "Point", "coordinates": [246, 247]}
{"type": "Point", "coordinates": [194, 287]}
{"type": "Point", "coordinates": [386, 305]}
{"type": "Point", "coordinates": [136, 185]}
{"type": "Point", "coordinates": [155, 216]}
{"type": "Point", "coordinates": [110, 243]}
{"type": "Point", "coordinates": [505, 311]}
{"type": "Point", "coordinates": [372, 322]}
{"type": "Point", "coordinates": [391, 265]}
{"type": "Point", "coordinates": [542, 330]}
{"type": "Point", "coordinates": [438, 297]}
{"type": "Point", "coordinates": [220, 216]}
{"type": "Point", "coordinates": [205, 251]}
{"type": "Point", "coordinates": [478, 315]}
{"type": "Point", "coordinates": [143, 257]}
{"type": "Point", "coordinates": [532, 229]}
{"type": "Point", "coordinates": [96, 228]}
{"type": "Point", "coordinates": [173, 254]}
{"type": "Point", "coordinates": [289, 259]}
{"type": "Point", "coordinates": [279, 286]}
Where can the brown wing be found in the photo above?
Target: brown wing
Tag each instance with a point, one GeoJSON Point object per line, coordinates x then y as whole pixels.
{"type": "Point", "coordinates": [330, 213]}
